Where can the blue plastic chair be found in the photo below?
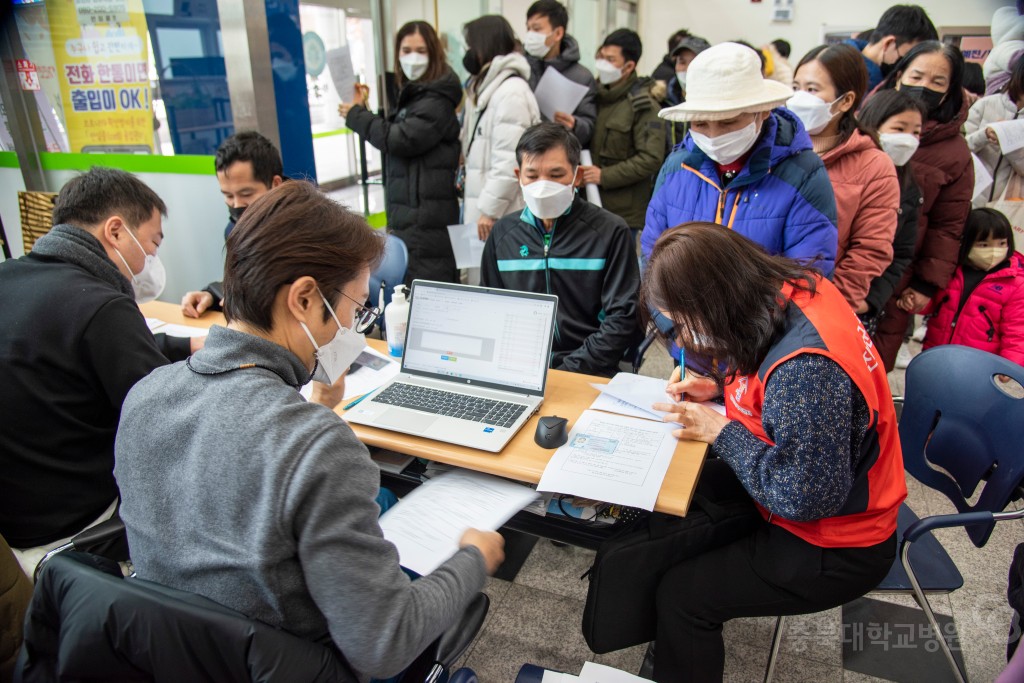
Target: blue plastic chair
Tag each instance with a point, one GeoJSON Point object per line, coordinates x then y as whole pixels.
{"type": "Point", "coordinates": [391, 269]}
{"type": "Point", "coordinates": [959, 431]}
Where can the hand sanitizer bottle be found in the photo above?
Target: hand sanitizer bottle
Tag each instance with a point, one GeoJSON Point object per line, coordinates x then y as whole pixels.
{"type": "Point", "coordinates": [396, 318]}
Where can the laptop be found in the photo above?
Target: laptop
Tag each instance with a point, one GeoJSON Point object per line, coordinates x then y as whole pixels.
{"type": "Point", "coordinates": [474, 369]}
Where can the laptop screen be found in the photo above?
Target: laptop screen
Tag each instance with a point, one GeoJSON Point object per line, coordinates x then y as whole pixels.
{"type": "Point", "coordinates": [480, 336]}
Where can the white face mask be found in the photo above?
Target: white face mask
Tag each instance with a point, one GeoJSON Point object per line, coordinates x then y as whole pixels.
{"type": "Point", "coordinates": [728, 147]}
{"type": "Point", "coordinates": [547, 199]}
{"type": "Point", "coordinates": [681, 77]}
{"type": "Point", "coordinates": [335, 357]}
{"type": "Point", "coordinates": [414, 65]}
{"type": "Point", "coordinates": [607, 72]}
{"type": "Point", "coordinates": [899, 146]}
{"type": "Point", "coordinates": [812, 110]}
{"type": "Point", "coordinates": [535, 44]}
{"type": "Point", "coordinates": [148, 283]}
{"type": "Point", "coordinates": [985, 258]}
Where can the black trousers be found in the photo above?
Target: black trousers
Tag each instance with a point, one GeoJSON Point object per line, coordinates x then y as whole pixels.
{"type": "Point", "coordinates": [768, 573]}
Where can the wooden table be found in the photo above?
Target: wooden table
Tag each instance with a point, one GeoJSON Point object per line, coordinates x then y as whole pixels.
{"type": "Point", "coordinates": [568, 394]}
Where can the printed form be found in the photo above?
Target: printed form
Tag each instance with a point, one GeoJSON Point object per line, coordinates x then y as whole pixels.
{"type": "Point", "coordinates": [612, 458]}
{"type": "Point", "coordinates": [427, 524]}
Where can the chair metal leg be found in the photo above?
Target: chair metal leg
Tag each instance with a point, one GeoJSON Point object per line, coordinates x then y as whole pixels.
{"type": "Point", "coordinates": [922, 600]}
{"type": "Point", "coordinates": [773, 656]}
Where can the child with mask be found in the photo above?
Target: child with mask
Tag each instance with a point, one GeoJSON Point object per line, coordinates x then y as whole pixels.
{"type": "Point", "coordinates": [896, 119]}
{"type": "Point", "coordinates": [983, 306]}
{"type": "Point", "coordinates": [738, 133]}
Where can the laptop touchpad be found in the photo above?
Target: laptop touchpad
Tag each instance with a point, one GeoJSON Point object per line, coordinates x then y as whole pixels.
{"type": "Point", "coordinates": [405, 420]}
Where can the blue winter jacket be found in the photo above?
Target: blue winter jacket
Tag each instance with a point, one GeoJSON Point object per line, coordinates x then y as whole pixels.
{"type": "Point", "coordinates": [782, 199]}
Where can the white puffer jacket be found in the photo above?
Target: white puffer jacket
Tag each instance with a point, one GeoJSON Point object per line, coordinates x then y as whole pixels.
{"type": "Point", "coordinates": [984, 113]}
{"type": "Point", "coordinates": [505, 107]}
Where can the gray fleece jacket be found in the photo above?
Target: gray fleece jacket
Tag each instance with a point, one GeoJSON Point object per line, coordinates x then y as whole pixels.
{"type": "Point", "coordinates": [235, 488]}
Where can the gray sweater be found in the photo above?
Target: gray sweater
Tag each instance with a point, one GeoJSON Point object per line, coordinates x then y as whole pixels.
{"type": "Point", "coordinates": [236, 488]}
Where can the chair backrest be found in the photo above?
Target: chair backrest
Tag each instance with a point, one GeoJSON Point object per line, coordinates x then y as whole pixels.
{"type": "Point", "coordinates": [86, 623]}
{"type": "Point", "coordinates": [959, 429]}
{"type": "Point", "coordinates": [391, 269]}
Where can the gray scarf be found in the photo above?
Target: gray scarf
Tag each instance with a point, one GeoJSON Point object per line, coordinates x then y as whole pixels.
{"type": "Point", "coordinates": [77, 247]}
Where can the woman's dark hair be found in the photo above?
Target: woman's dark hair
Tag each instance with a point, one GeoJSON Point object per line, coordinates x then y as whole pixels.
{"type": "Point", "coordinates": [1015, 86]}
{"type": "Point", "coordinates": [984, 224]}
{"type": "Point", "coordinates": [882, 106]}
{"type": "Point", "coordinates": [292, 231]}
{"type": "Point", "coordinates": [489, 36]}
{"type": "Point", "coordinates": [954, 100]}
{"type": "Point", "coordinates": [436, 66]}
{"type": "Point", "coordinates": [721, 291]}
{"type": "Point", "coordinates": [845, 66]}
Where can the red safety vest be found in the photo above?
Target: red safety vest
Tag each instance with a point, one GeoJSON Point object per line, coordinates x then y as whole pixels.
{"type": "Point", "coordinates": [824, 324]}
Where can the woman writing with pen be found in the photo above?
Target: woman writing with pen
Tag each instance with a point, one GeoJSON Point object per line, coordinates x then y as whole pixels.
{"type": "Point", "coordinates": [809, 438]}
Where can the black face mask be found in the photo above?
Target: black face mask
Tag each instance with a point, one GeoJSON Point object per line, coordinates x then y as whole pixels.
{"type": "Point", "coordinates": [471, 62]}
{"type": "Point", "coordinates": [236, 212]}
{"type": "Point", "coordinates": [931, 98]}
{"type": "Point", "coordinates": [886, 69]}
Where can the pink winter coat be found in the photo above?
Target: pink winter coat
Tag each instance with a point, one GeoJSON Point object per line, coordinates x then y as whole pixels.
{"type": "Point", "coordinates": [992, 318]}
{"type": "Point", "coordinates": [867, 204]}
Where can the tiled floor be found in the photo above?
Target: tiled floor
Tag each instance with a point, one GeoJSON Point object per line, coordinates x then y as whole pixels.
{"type": "Point", "coordinates": [536, 618]}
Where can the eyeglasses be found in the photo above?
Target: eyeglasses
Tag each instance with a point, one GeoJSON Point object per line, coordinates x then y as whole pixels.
{"type": "Point", "coordinates": [364, 317]}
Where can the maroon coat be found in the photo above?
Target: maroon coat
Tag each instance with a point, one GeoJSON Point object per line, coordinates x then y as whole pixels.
{"type": "Point", "coordinates": [943, 169]}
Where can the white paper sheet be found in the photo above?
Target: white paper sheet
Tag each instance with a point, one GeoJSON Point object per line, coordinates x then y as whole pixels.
{"type": "Point", "coordinates": [1010, 134]}
{"type": "Point", "coordinates": [466, 244]}
{"type": "Point", "coordinates": [612, 458]}
{"type": "Point", "coordinates": [181, 330]}
{"type": "Point", "coordinates": [634, 395]}
{"type": "Point", "coordinates": [364, 380]}
{"type": "Point", "coordinates": [555, 92]}
{"type": "Point", "coordinates": [599, 673]}
{"type": "Point", "coordinates": [154, 324]}
{"type": "Point", "coordinates": [982, 178]}
{"type": "Point", "coordinates": [593, 193]}
{"type": "Point", "coordinates": [556, 677]}
{"type": "Point", "coordinates": [427, 524]}
{"type": "Point", "coordinates": [339, 61]}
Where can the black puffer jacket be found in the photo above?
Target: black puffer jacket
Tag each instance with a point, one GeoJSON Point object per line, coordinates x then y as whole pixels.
{"type": "Point", "coordinates": [420, 140]}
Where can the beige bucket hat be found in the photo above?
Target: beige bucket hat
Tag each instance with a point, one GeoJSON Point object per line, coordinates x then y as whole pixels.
{"type": "Point", "coordinates": [723, 81]}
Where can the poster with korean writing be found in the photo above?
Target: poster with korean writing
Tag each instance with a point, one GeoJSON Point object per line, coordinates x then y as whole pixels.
{"type": "Point", "coordinates": [101, 53]}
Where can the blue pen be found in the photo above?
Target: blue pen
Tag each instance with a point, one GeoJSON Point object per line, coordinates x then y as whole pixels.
{"type": "Point", "coordinates": [356, 402]}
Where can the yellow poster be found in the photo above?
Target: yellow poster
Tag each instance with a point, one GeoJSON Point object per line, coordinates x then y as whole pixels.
{"type": "Point", "coordinates": [102, 60]}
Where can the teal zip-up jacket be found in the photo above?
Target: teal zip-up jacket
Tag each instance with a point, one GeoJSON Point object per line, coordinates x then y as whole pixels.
{"type": "Point", "coordinates": [589, 261]}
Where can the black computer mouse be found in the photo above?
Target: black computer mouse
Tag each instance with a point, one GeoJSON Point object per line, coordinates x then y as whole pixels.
{"type": "Point", "coordinates": [552, 431]}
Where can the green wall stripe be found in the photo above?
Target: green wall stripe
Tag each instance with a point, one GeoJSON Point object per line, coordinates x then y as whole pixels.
{"type": "Point", "coordinates": [182, 164]}
{"type": "Point", "coordinates": [377, 220]}
{"type": "Point", "coordinates": [329, 133]}
{"type": "Point", "coordinates": [9, 160]}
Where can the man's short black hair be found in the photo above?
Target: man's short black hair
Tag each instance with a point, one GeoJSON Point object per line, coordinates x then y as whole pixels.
{"type": "Point", "coordinates": [545, 136]}
{"type": "Point", "coordinates": [627, 41]}
{"type": "Point", "coordinates": [93, 197]}
{"type": "Point", "coordinates": [555, 11]}
{"type": "Point", "coordinates": [908, 23]}
{"type": "Point", "coordinates": [252, 147]}
{"type": "Point", "coordinates": [782, 47]}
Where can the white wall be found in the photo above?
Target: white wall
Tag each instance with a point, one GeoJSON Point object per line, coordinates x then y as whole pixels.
{"type": "Point", "coordinates": [741, 19]}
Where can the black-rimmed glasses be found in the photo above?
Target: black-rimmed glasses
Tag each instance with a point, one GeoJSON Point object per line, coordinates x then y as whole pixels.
{"type": "Point", "coordinates": [365, 317]}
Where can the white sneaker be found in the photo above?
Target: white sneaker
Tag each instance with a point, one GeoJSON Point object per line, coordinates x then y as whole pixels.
{"type": "Point", "coordinates": [919, 332]}
{"type": "Point", "coordinates": [903, 357]}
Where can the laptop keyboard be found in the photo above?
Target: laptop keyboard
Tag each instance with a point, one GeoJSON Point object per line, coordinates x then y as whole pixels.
{"type": "Point", "coordinates": [451, 404]}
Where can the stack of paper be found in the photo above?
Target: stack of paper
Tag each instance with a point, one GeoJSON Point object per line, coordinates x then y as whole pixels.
{"type": "Point", "coordinates": [593, 673]}
{"type": "Point", "coordinates": [612, 458]}
{"type": "Point", "coordinates": [635, 395]}
{"type": "Point", "coordinates": [427, 524]}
